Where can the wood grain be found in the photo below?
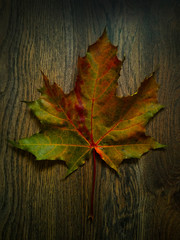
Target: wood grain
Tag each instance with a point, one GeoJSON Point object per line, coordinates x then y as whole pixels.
{"type": "Point", "coordinates": [144, 203]}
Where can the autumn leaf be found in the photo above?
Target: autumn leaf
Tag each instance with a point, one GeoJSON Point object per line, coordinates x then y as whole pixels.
{"type": "Point", "coordinates": [92, 117]}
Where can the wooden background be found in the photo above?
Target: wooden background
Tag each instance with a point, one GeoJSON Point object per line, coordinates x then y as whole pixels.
{"type": "Point", "coordinates": [144, 203]}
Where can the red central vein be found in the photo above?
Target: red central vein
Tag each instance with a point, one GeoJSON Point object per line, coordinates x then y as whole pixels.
{"type": "Point", "coordinates": [92, 107]}
{"type": "Point", "coordinates": [93, 98]}
{"type": "Point", "coordinates": [92, 110]}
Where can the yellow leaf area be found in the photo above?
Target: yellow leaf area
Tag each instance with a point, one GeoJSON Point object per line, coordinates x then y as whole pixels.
{"type": "Point", "coordinates": [92, 116]}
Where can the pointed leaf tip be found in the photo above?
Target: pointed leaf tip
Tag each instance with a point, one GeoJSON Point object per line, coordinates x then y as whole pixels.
{"type": "Point", "coordinates": [13, 143]}
{"type": "Point", "coordinates": [104, 32]}
{"type": "Point", "coordinates": [44, 77]}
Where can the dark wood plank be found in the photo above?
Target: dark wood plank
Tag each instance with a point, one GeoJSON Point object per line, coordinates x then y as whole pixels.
{"type": "Point", "coordinates": [144, 203]}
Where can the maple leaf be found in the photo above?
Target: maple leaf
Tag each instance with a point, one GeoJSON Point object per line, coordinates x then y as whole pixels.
{"type": "Point", "coordinates": [92, 117]}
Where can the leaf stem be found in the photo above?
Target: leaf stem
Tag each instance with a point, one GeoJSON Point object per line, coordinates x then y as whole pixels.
{"type": "Point", "coordinates": [91, 216]}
